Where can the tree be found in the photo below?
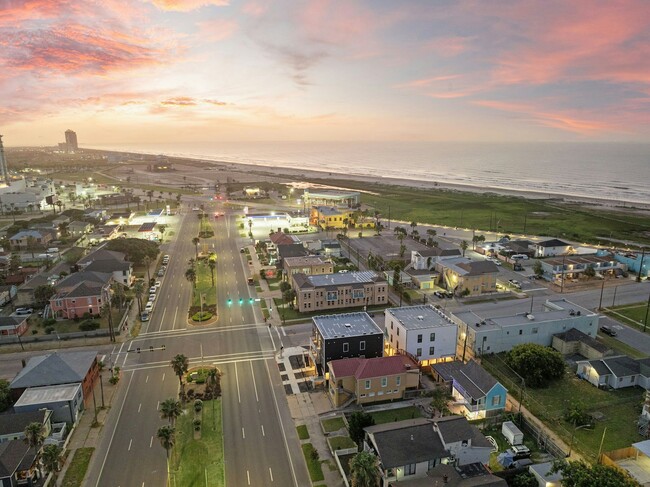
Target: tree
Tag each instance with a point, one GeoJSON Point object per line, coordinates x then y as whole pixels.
{"type": "Point", "coordinates": [138, 290]}
{"type": "Point", "coordinates": [537, 364]}
{"type": "Point", "coordinates": [576, 415]}
{"type": "Point", "coordinates": [538, 269]}
{"type": "Point", "coordinates": [35, 435]}
{"type": "Point", "coordinates": [431, 232]}
{"type": "Point", "coordinates": [413, 225]}
{"type": "Point", "coordinates": [463, 246]}
{"type": "Point", "coordinates": [180, 363]}
{"type": "Point", "coordinates": [196, 241]}
{"type": "Point", "coordinates": [5, 395]}
{"type": "Point", "coordinates": [167, 437]}
{"type": "Point", "coordinates": [43, 293]}
{"type": "Point", "coordinates": [51, 458]}
{"type": "Point", "coordinates": [118, 294]}
{"type": "Point", "coordinates": [358, 421]}
{"type": "Point", "coordinates": [440, 397]}
{"type": "Point", "coordinates": [589, 272]}
{"type": "Point", "coordinates": [525, 479]}
{"type": "Point", "coordinates": [289, 295]}
{"type": "Point", "coordinates": [402, 249]}
{"type": "Point", "coordinates": [135, 249]}
{"type": "Point", "coordinates": [284, 286]}
{"type": "Point", "coordinates": [580, 474]}
{"type": "Point", "coordinates": [14, 262]}
{"type": "Point", "coordinates": [161, 229]}
{"type": "Point", "coordinates": [363, 470]}
{"type": "Point", "coordinates": [190, 275]}
{"type": "Point", "coordinates": [150, 195]}
{"type": "Point", "coordinates": [170, 409]}
{"type": "Point", "coordinates": [31, 245]}
{"type": "Point", "coordinates": [212, 265]}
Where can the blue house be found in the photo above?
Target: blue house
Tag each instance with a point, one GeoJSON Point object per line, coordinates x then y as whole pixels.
{"type": "Point", "coordinates": [634, 261]}
{"type": "Point", "coordinates": [476, 392]}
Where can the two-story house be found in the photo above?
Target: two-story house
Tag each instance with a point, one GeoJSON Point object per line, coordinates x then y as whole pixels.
{"type": "Point", "coordinates": [344, 336]}
{"type": "Point", "coordinates": [311, 265]}
{"type": "Point", "coordinates": [475, 391]}
{"type": "Point", "coordinates": [548, 248]}
{"type": "Point", "coordinates": [368, 380]}
{"type": "Point", "coordinates": [335, 291]}
{"type": "Point", "coordinates": [81, 293]}
{"type": "Point", "coordinates": [327, 217]}
{"type": "Point", "coordinates": [423, 332]}
{"type": "Point", "coordinates": [109, 262]}
{"type": "Point", "coordinates": [22, 239]}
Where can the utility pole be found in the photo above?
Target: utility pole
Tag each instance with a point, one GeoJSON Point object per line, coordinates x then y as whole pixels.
{"type": "Point", "coordinates": [562, 283]}
{"type": "Point", "coordinates": [645, 320]}
{"type": "Point", "coordinates": [638, 277]}
{"type": "Point", "coordinates": [602, 289]}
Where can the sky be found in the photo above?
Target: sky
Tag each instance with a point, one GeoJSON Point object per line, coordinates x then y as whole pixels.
{"type": "Point", "coordinates": [160, 71]}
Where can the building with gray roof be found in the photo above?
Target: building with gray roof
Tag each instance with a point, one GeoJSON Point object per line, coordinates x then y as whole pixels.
{"type": "Point", "coordinates": [65, 401]}
{"type": "Point", "coordinates": [615, 372]}
{"type": "Point", "coordinates": [339, 290]}
{"type": "Point", "coordinates": [346, 335]}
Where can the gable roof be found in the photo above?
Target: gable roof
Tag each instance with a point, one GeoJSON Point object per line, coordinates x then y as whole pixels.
{"type": "Point", "coordinates": [17, 422]}
{"type": "Point", "coordinates": [473, 378]}
{"type": "Point", "coordinates": [108, 266]}
{"type": "Point", "coordinates": [27, 233]}
{"type": "Point", "coordinates": [456, 428]}
{"type": "Point", "coordinates": [54, 368]}
{"type": "Point", "coordinates": [292, 250]}
{"type": "Point", "coordinates": [12, 320]}
{"type": "Point", "coordinates": [479, 267]}
{"type": "Point", "coordinates": [619, 366]}
{"type": "Point", "coordinates": [405, 442]}
{"type": "Point", "coordinates": [81, 290]}
{"type": "Point", "coordinates": [102, 254]}
{"type": "Point", "coordinates": [15, 455]}
{"type": "Point", "coordinates": [76, 278]}
{"type": "Point", "coordinates": [281, 238]}
{"type": "Point", "coordinates": [554, 242]}
{"type": "Point", "coordinates": [367, 368]}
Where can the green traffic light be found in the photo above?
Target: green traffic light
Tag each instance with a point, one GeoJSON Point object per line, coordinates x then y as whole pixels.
{"type": "Point", "coordinates": [250, 301]}
{"type": "Point", "coordinates": [241, 301]}
{"type": "Point", "coordinates": [229, 301]}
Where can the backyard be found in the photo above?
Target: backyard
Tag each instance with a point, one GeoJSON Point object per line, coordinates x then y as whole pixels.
{"type": "Point", "coordinates": [618, 410]}
{"type": "Point", "coordinates": [197, 462]}
{"type": "Point", "coordinates": [39, 326]}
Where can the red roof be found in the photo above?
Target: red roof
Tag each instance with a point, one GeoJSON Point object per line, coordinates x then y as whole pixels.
{"type": "Point", "coordinates": [281, 238]}
{"type": "Point", "coordinates": [367, 368]}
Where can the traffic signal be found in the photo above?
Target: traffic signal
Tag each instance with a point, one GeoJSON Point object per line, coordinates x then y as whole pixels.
{"type": "Point", "coordinates": [250, 301]}
{"type": "Point", "coordinates": [229, 301]}
{"type": "Point", "coordinates": [241, 301]}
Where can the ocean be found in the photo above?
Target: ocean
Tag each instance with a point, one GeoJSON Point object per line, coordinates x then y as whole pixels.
{"type": "Point", "coordinates": [612, 171]}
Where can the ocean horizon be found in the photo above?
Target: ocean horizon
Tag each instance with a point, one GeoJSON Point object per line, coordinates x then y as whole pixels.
{"type": "Point", "coordinates": [609, 171]}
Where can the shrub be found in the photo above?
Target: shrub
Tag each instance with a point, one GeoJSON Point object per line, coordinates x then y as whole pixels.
{"type": "Point", "coordinates": [89, 325]}
{"type": "Point", "coordinates": [206, 315]}
{"type": "Point", "coordinates": [114, 379]}
{"type": "Point", "coordinates": [537, 364]}
{"type": "Point", "coordinates": [49, 329]}
{"type": "Point", "coordinates": [34, 332]}
{"type": "Point", "coordinates": [49, 322]}
{"type": "Point", "coordinates": [197, 424]}
{"type": "Point", "coordinates": [198, 405]}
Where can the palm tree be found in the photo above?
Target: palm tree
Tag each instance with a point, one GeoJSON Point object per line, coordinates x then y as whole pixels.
{"type": "Point", "coordinates": [35, 436]}
{"type": "Point", "coordinates": [212, 265]}
{"type": "Point", "coordinates": [180, 363]}
{"type": "Point", "coordinates": [150, 195]}
{"type": "Point", "coordinates": [413, 225]}
{"type": "Point", "coordinates": [30, 207]}
{"type": "Point", "coordinates": [196, 241]}
{"type": "Point", "coordinates": [170, 409]}
{"type": "Point", "coordinates": [166, 435]}
{"type": "Point", "coordinates": [63, 228]}
{"type": "Point", "coordinates": [118, 294]}
{"type": "Point", "coordinates": [161, 229]}
{"type": "Point", "coordinates": [363, 470]}
{"type": "Point", "coordinates": [463, 246]}
{"type": "Point", "coordinates": [147, 261]}
{"type": "Point", "coordinates": [431, 232]}
{"type": "Point", "coordinates": [51, 458]}
{"type": "Point", "coordinates": [59, 203]}
{"type": "Point", "coordinates": [138, 290]}
{"type": "Point", "coordinates": [190, 275]}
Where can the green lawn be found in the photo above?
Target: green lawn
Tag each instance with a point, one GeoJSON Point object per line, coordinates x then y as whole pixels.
{"type": "Point", "coordinates": [631, 314]}
{"type": "Point", "coordinates": [341, 442]}
{"type": "Point", "coordinates": [193, 458]}
{"type": "Point", "coordinates": [333, 424]}
{"type": "Point", "coordinates": [620, 347]}
{"type": "Point", "coordinates": [78, 466]}
{"type": "Point", "coordinates": [303, 434]}
{"type": "Point", "coordinates": [484, 211]}
{"type": "Point", "coordinates": [204, 285]}
{"type": "Point", "coordinates": [621, 409]}
{"type": "Point", "coordinates": [313, 464]}
{"type": "Point", "coordinates": [390, 415]}
{"type": "Point", "coordinates": [70, 326]}
{"type": "Point", "coordinates": [291, 314]}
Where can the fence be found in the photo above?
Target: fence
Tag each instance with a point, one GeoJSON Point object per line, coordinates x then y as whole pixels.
{"type": "Point", "coordinates": [541, 438]}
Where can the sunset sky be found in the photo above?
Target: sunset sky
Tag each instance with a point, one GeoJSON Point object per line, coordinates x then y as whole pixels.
{"type": "Point", "coordinates": [128, 71]}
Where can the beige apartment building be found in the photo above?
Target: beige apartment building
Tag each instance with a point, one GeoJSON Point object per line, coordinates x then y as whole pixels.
{"type": "Point", "coordinates": [311, 265]}
{"type": "Point", "coordinates": [335, 291]}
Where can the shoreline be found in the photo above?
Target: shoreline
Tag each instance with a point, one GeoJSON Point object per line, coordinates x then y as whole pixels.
{"type": "Point", "coordinates": [283, 172]}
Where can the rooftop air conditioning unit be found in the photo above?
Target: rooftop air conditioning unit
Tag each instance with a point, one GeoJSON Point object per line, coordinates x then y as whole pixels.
{"type": "Point", "coordinates": [530, 317]}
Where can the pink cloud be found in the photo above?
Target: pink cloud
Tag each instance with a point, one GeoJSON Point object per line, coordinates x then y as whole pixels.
{"type": "Point", "coordinates": [187, 5]}
{"type": "Point", "coordinates": [255, 8]}
{"type": "Point", "coordinates": [448, 46]}
{"type": "Point", "coordinates": [217, 29]}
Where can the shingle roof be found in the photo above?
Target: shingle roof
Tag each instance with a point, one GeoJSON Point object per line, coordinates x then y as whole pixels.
{"type": "Point", "coordinates": [406, 442]}
{"type": "Point", "coordinates": [622, 365]}
{"type": "Point", "coordinates": [575, 335]}
{"type": "Point", "coordinates": [11, 320]}
{"type": "Point", "coordinates": [102, 254]}
{"type": "Point", "coordinates": [82, 289]}
{"type": "Point", "coordinates": [26, 233]}
{"type": "Point", "coordinates": [85, 276]}
{"type": "Point", "coordinates": [456, 428]}
{"type": "Point", "coordinates": [554, 242]}
{"type": "Point", "coordinates": [108, 266]}
{"type": "Point", "coordinates": [15, 454]}
{"type": "Point", "coordinates": [479, 267]}
{"type": "Point", "coordinates": [292, 250]}
{"type": "Point", "coordinates": [473, 378]}
{"type": "Point", "coordinates": [281, 238]}
{"type": "Point", "coordinates": [367, 368]}
{"type": "Point", "coordinates": [17, 422]}
{"type": "Point", "coordinates": [54, 368]}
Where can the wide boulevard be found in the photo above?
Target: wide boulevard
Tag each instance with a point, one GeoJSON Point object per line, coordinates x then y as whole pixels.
{"type": "Point", "coordinates": [261, 447]}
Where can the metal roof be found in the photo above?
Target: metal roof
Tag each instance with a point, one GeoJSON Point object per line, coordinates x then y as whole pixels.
{"type": "Point", "coordinates": [342, 279]}
{"type": "Point", "coordinates": [48, 394]}
{"type": "Point", "coordinates": [346, 325]}
{"type": "Point", "coordinates": [420, 317]}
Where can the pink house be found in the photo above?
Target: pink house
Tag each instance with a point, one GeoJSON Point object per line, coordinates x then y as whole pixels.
{"type": "Point", "coordinates": [81, 293]}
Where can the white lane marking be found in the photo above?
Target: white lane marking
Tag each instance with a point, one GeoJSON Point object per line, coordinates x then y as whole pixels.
{"type": "Point", "coordinates": [110, 442]}
{"type": "Point", "coordinates": [158, 406]}
{"type": "Point", "coordinates": [139, 407]}
{"type": "Point", "coordinates": [163, 377]}
{"type": "Point", "coordinates": [284, 333]}
{"type": "Point", "coordinates": [175, 315]}
{"type": "Point", "coordinates": [151, 442]}
{"type": "Point", "coordinates": [130, 443]}
{"type": "Point", "coordinates": [243, 433]}
{"type": "Point", "coordinates": [271, 474]}
{"type": "Point", "coordinates": [263, 434]}
{"type": "Point", "coordinates": [254, 384]}
{"type": "Point", "coordinates": [237, 381]}
{"type": "Point", "coordinates": [248, 476]}
{"type": "Point", "coordinates": [162, 319]}
{"type": "Point", "coordinates": [146, 380]}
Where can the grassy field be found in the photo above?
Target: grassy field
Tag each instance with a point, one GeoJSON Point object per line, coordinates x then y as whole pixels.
{"type": "Point", "coordinates": [631, 314]}
{"type": "Point", "coordinates": [70, 326]}
{"type": "Point", "coordinates": [194, 459]}
{"type": "Point", "coordinates": [620, 408]}
{"type": "Point", "coordinates": [78, 466]}
{"type": "Point", "coordinates": [620, 347]}
{"type": "Point", "coordinates": [333, 424]}
{"type": "Point", "coordinates": [313, 463]}
{"type": "Point", "coordinates": [392, 415]}
{"type": "Point", "coordinates": [100, 178]}
{"type": "Point", "coordinates": [503, 214]}
{"type": "Point", "coordinates": [204, 285]}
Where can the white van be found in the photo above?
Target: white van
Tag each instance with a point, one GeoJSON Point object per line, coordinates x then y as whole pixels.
{"type": "Point", "coordinates": [53, 250]}
{"type": "Point", "coordinates": [519, 257]}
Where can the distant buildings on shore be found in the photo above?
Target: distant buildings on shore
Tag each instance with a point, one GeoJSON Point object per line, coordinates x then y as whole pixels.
{"type": "Point", "coordinates": [70, 145]}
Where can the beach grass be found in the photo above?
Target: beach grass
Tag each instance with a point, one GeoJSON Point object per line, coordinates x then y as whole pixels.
{"type": "Point", "coordinates": [491, 212]}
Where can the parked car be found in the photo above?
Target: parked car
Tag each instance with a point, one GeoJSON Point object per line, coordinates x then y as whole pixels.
{"type": "Point", "coordinates": [149, 307]}
{"type": "Point", "coordinates": [23, 311]}
{"type": "Point", "coordinates": [449, 294]}
{"type": "Point", "coordinates": [158, 284]}
{"type": "Point", "coordinates": [144, 316]}
{"type": "Point", "coordinates": [152, 297]}
{"type": "Point", "coordinates": [608, 331]}
{"type": "Point", "coordinates": [524, 462]}
{"type": "Point", "coordinates": [161, 273]}
{"type": "Point", "coordinates": [439, 294]}
{"type": "Point", "coordinates": [519, 451]}
{"type": "Point", "coordinates": [153, 289]}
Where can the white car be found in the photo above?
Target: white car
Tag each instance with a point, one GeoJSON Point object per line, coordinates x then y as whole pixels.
{"type": "Point", "coordinates": [23, 311]}
{"type": "Point", "coordinates": [153, 289]}
{"type": "Point", "coordinates": [152, 297]}
{"type": "Point", "coordinates": [149, 307]}
{"type": "Point", "coordinates": [158, 284]}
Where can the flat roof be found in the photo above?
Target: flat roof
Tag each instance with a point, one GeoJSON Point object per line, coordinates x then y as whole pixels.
{"type": "Point", "coordinates": [346, 325]}
{"type": "Point", "coordinates": [47, 394]}
{"type": "Point", "coordinates": [306, 260]}
{"type": "Point", "coordinates": [147, 227]}
{"type": "Point", "coordinates": [420, 317]}
{"type": "Point", "coordinates": [341, 279]}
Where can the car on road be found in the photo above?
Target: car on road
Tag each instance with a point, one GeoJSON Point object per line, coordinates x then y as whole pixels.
{"type": "Point", "coordinates": [608, 331]}
{"type": "Point", "coordinates": [439, 294]}
{"type": "Point", "coordinates": [519, 257]}
{"type": "Point", "coordinates": [251, 281]}
{"type": "Point", "coordinates": [23, 311]}
{"type": "Point", "coordinates": [515, 283]}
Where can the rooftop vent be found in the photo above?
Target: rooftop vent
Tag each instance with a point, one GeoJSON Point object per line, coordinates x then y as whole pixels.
{"type": "Point", "coordinates": [530, 317]}
{"type": "Point", "coordinates": [571, 312]}
{"type": "Point", "coordinates": [420, 318]}
{"type": "Point", "coordinates": [348, 325]}
{"type": "Point", "coordinates": [478, 325]}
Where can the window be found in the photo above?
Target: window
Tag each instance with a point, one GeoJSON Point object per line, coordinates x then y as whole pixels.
{"type": "Point", "coordinates": [534, 331]}
{"type": "Point", "coordinates": [419, 338]}
{"type": "Point", "coordinates": [409, 469]}
{"type": "Point", "coordinates": [432, 337]}
{"type": "Point", "coordinates": [398, 332]}
{"type": "Point", "coordinates": [368, 384]}
{"type": "Point", "coordinates": [496, 400]}
{"type": "Point", "coordinates": [384, 381]}
{"type": "Point", "coordinates": [432, 463]}
{"type": "Point", "coordinates": [362, 345]}
{"type": "Point", "coordinates": [432, 350]}
{"type": "Point", "coordinates": [346, 347]}
{"type": "Point", "coordinates": [418, 352]}
{"type": "Point", "coordinates": [398, 381]}
{"type": "Point", "coordinates": [521, 332]}
{"type": "Point", "coordinates": [391, 325]}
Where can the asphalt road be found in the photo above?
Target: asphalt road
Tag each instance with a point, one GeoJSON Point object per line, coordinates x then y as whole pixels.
{"type": "Point", "coordinates": [261, 446]}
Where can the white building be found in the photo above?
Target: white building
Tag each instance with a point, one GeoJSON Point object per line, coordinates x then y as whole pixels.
{"type": "Point", "coordinates": [478, 335]}
{"type": "Point", "coordinates": [549, 248]}
{"type": "Point", "coordinates": [424, 332]}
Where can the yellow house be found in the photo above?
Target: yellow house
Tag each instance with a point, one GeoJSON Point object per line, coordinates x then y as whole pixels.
{"type": "Point", "coordinates": [464, 276]}
{"type": "Point", "coordinates": [329, 217]}
{"type": "Point", "coordinates": [368, 380]}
